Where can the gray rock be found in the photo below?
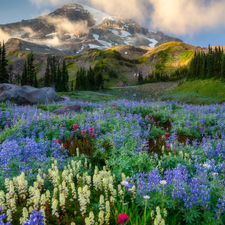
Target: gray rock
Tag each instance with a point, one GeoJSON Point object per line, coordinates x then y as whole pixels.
{"type": "Point", "coordinates": [51, 94]}
{"type": "Point", "coordinates": [27, 94]}
{"type": "Point", "coordinates": [67, 109]}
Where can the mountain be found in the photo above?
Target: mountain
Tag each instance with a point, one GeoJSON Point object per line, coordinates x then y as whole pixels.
{"type": "Point", "coordinates": [88, 37]}
{"type": "Point", "coordinates": [75, 28]}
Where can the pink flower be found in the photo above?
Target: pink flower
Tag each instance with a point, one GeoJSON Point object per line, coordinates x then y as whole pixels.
{"type": "Point", "coordinates": [113, 105]}
{"type": "Point", "coordinates": [57, 141]}
{"type": "Point", "coordinates": [166, 135]}
{"type": "Point", "coordinates": [75, 126]}
{"type": "Point", "coordinates": [115, 108]}
{"type": "Point", "coordinates": [91, 128]}
{"type": "Point", "coordinates": [93, 135]}
{"type": "Point", "coordinates": [64, 144]}
{"type": "Point", "coordinates": [84, 132]}
{"type": "Point", "coordinates": [7, 123]}
{"type": "Point", "coordinates": [168, 146]}
{"type": "Point", "coordinates": [125, 102]}
{"type": "Point", "coordinates": [177, 106]}
{"type": "Point", "coordinates": [105, 103]}
{"type": "Point", "coordinates": [175, 150]}
{"type": "Point", "coordinates": [160, 139]}
{"type": "Point", "coordinates": [122, 218]}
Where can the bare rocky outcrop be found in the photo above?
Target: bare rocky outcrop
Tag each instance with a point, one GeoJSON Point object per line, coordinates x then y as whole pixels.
{"type": "Point", "coordinates": [27, 95]}
{"type": "Point", "coordinates": [67, 109]}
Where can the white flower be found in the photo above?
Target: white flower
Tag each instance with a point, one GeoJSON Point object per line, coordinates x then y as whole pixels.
{"type": "Point", "coordinates": [206, 165]}
{"type": "Point", "coordinates": [163, 182]}
{"type": "Point", "coordinates": [124, 183]}
{"type": "Point", "coordinates": [146, 197]}
{"type": "Point", "coordinates": [124, 203]}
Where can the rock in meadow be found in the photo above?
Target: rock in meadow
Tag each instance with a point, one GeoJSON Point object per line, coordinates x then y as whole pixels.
{"type": "Point", "coordinates": [27, 94]}
{"type": "Point", "coordinates": [67, 109]}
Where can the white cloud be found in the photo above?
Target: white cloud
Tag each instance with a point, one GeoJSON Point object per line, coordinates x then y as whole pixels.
{"type": "Point", "coordinates": [4, 36]}
{"type": "Point", "coordinates": [174, 16]}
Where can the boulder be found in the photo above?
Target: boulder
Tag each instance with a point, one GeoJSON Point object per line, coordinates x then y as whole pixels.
{"type": "Point", "coordinates": [67, 109]}
{"type": "Point", "coordinates": [51, 94]}
{"type": "Point", "coordinates": [27, 94]}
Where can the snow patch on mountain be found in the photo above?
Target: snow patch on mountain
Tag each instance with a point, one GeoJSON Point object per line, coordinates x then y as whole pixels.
{"type": "Point", "coordinates": [106, 44]}
{"type": "Point", "coordinates": [98, 16]}
{"type": "Point", "coordinates": [154, 42]}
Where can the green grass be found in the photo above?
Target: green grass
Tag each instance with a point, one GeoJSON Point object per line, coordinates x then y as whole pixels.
{"type": "Point", "coordinates": [208, 91]}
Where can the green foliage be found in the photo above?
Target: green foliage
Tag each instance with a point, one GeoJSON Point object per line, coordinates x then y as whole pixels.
{"type": "Point", "coordinates": [29, 74]}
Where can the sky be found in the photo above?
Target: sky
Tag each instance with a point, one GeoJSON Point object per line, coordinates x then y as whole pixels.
{"type": "Point", "coordinates": [196, 22]}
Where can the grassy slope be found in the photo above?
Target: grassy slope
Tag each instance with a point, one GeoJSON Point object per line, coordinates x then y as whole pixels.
{"type": "Point", "coordinates": [208, 91]}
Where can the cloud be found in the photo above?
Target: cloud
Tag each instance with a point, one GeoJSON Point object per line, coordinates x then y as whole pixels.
{"type": "Point", "coordinates": [63, 25]}
{"type": "Point", "coordinates": [187, 16]}
{"type": "Point", "coordinates": [4, 36]}
{"type": "Point", "coordinates": [27, 30]}
{"type": "Point", "coordinates": [178, 17]}
{"type": "Point", "coordinates": [40, 3]}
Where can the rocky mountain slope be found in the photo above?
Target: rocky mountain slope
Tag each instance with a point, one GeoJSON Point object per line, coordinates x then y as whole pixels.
{"type": "Point", "coordinates": [125, 61]}
{"type": "Point", "coordinates": [75, 28]}
{"type": "Point", "coordinates": [86, 37]}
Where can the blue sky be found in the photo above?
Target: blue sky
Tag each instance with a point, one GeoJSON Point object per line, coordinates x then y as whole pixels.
{"type": "Point", "coordinates": [196, 22]}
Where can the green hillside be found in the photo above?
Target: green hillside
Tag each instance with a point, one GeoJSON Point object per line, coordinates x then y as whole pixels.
{"type": "Point", "coordinates": [166, 58]}
{"type": "Point", "coordinates": [208, 91]}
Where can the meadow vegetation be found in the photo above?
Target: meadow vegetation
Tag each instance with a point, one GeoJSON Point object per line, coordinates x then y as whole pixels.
{"type": "Point", "coordinates": [117, 161]}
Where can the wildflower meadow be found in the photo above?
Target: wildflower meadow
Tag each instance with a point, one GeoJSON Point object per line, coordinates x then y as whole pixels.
{"type": "Point", "coordinates": [116, 162]}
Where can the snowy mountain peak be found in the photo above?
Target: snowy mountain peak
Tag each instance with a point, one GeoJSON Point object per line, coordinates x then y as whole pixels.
{"type": "Point", "coordinates": [97, 15]}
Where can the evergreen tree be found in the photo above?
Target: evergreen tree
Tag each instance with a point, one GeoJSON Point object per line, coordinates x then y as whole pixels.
{"type": "Point", "coordinates": [65, 77]}
{"type": "Point", "coordinates": [58, 80]}
{"type": "Point", "coordinates": [53, 71]}
{"type": "Point", "coordinates": [78, 80]}
{"type": "Point", "coordinates": [47, 81]}
{"type": "Point", "coordinates": [140, 78]}
{"type": "Point", "coordinates": [32, 69]}
{"type": "Point", "coordinates": [210, 72]}
{"type": "Point", "coordinates": [203, 71]}
{"type": "Point", "coordinates": [223, 68]}
{"type": "Point", "coordinates": [4, 77]}
{"type": "Point", "coordinates": [217, 62]}
{"type": "Point", "coordinates": [99, 80]}
{"type": "Point", "coordinates": [24, 75]}
{"type": "Point", "coordinates": [90, 79]}
{"type": "Point", "coordinates": [35, 84]}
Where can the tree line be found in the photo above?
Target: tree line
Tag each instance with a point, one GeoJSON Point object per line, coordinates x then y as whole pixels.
{"type": "Point", "coordinates": [91, 79]}
{"type": "Point", "coordinates": [55, 76]}
{"type": "Point", "coordinates": [4, 76]}
{"type": "Point", "coordinates": [207, 65]}
{"type": "Point", "coordinates": [162, 77]}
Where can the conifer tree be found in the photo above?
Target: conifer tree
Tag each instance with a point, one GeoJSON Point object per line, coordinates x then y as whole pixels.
{"type": "Point", "coordinates": [99, 80]}
{"type": "Point", "coordinates": [140, 78]}
{"type": "Point", "coordinates": [58, 80]}
{"type": "Point", "coordinates": [4, 77]}
{"type": "Point", "coordinates": [65, 76]}
{"type": "Point", "coordinates": [90, 79]}
{"type": "Point", "coordinates": [47, 81]}
{"type": "Point", "coordinates": [53, 70]}
{"type": "Point", "coordinates": [203, 71]}
{"type": "Point", "coordinates": [35, 84]}
{"type": "Point", "coordinates": [210, 72]}
{"type": "Point", "coordinates": [223, 68]}
{"type": "Point", "coordinates": [24, 75]}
